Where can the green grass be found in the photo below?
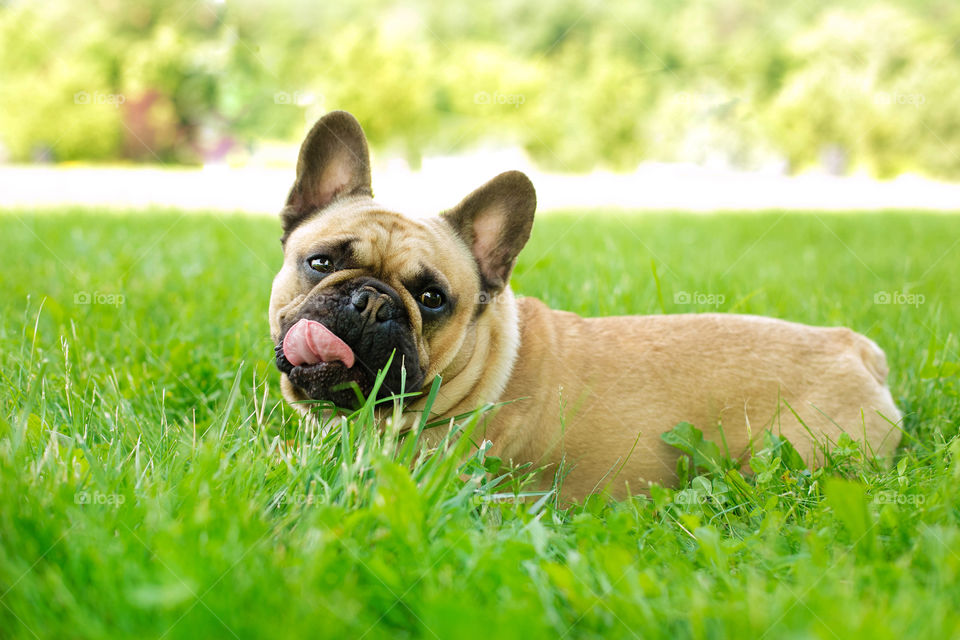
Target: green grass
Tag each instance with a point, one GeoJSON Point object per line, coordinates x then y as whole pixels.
{"type": "Point", "coordinates": [153, 484]}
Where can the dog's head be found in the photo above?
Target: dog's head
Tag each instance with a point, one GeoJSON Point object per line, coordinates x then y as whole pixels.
{"type": "Point", "coordinates": [362, 286]}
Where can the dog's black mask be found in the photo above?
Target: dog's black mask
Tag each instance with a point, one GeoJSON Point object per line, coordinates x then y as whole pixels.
{"type": "Point", "coordinates": [369, 316]}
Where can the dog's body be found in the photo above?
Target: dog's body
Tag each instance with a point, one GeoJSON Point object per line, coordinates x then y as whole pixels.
{"type": "Point", "coordinates": [599, 386]}
{"type": "Point", "coordinates": [360, 283]}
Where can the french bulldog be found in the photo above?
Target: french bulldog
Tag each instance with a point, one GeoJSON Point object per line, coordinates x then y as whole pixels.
{"type": "Point", "coordinates": [362, 286]}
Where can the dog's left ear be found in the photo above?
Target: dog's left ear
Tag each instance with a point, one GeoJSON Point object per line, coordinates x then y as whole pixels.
{"type": "Point", "coordinates": [334, 161]}
{"type": "Point", "coordinates": [494, 222]}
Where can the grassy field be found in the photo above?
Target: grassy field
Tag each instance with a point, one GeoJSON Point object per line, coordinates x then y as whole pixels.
{"type": "Point", "coordinates": [152, 483]}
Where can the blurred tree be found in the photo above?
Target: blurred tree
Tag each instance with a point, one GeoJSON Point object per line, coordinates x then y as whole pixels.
{"type": "Point", "coordinates": [577, 84]}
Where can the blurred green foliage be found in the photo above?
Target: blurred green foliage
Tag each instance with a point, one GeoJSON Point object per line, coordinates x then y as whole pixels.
{"type": "Point", "coordinates": [853, 85]}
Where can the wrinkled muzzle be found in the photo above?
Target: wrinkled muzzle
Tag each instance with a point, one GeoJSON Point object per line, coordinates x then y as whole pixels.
{"type": "Point", "coordinates": [337, 341]}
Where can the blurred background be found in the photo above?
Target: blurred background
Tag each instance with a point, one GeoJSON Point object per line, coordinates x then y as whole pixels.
{"type": "Point", "coordinates": [675, 92]}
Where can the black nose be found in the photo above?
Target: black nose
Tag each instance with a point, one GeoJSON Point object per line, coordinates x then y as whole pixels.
{"type": "Point", "coordinates": [374, 300]}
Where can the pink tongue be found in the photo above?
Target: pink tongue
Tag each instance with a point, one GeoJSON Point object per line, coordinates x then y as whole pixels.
{"type": "Point", "coordinates": [309, 342]}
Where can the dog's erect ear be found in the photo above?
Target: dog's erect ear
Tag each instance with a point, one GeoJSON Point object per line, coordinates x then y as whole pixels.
{"type": "Point", "coordinates": [495, 221]}
{"type": "Point", "coordinates": [334, 161]}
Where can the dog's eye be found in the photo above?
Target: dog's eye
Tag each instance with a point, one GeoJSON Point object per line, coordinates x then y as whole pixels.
{"type": "Point", "coordinates": [432, 298]}
{"type": "Point", "coordinates": [321, 264]}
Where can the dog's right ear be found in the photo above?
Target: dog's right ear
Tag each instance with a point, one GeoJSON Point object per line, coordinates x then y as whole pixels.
{"type": "Point", "coordinates": [334, 162]}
